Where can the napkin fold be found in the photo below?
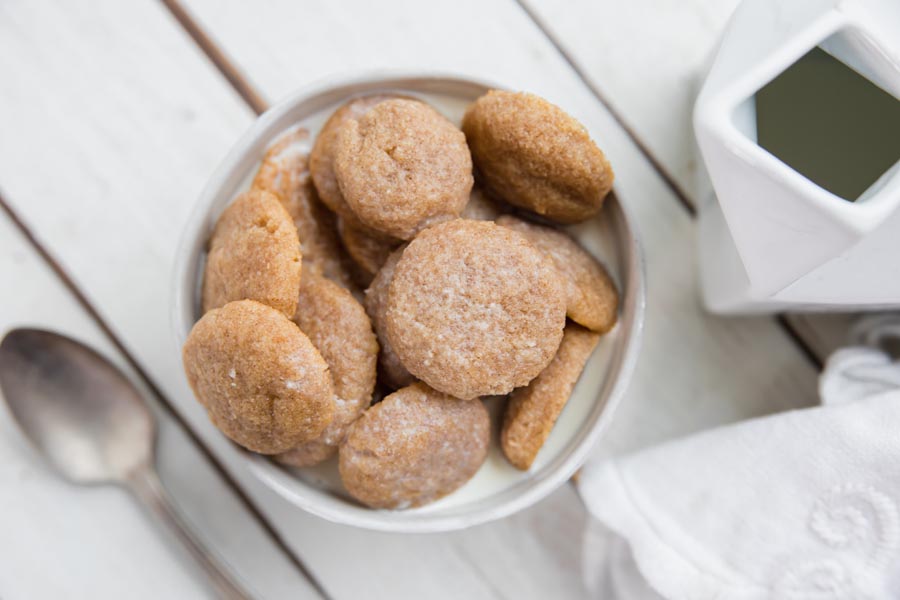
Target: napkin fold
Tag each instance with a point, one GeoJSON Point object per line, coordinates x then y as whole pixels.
{"type": "Point", "coordinates": [800, 505]}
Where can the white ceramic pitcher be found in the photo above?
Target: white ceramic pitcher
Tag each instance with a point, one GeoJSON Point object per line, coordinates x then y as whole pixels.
{"type": "Point", "coordinates": [771, 239]}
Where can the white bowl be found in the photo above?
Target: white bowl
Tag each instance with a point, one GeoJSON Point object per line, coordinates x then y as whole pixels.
{"type": "Point", "coordinates": [498, 489]}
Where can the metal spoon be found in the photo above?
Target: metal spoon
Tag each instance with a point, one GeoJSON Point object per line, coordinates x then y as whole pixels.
{"type": "Point", "coordinates": [94, 427]}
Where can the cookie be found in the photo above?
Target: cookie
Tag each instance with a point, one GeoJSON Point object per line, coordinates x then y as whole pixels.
{"type": "Point", "coordinates": [414, 447]}
{"type": "Point", "coordinates": [284, 172]}
{"type": "Point", "coordinates": [480, 207]}
{"type": "Point", "coordinates": [259, 377]}
{"type": "Point", "coordinates": [393, 373]}
{"type": "Point", "coordinates": [591, 296]}
{"type": "Point", "coordinates": [532, 410]}
{"type": "Point", "coordinates": [321, 158]}
{"type": "Point", "coordinates": [402, 167]}
{"type": "Point", "coordinates": [532, 154]}
{"type": "Point", "coordinates": [474, 309]}
{"type": "Point", "coordinates": [368, 252]}
{"type": "Point", "coordinates": [337, 325]}
{"type": "Point", "coordinates": [254, 254]}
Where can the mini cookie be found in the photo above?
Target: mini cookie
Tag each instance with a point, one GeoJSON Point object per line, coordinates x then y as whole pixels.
{"type": "Point", "coordinates": [533, 155]}
{"type": "Point", "coordinates": [414, 447]}
{"type": "Point", "coordinates": [532, 411]}
{"type": "Point", "coordinates": [339, 328]}
{"type": "Point", "coordinates": [480, 207]}
{"type": "Point", "coordinates": [368, 252]}
{"type": "Point", "coordinates": [254, 254]}
{"type": "Point", "coordinates": [261, 380]}
{"type": "Point", "coordinates": [402, 167]}
{"type": "Point", "coordinates": [591, 297]}
{"type": "Point", "coordinates": [321, 158]}
{"type": "Point", "coordinates": [474, 309]}
{"type": "Point", "coordinates": [393, 372]}
{"type": "Point", "coordinates": [284, 172]}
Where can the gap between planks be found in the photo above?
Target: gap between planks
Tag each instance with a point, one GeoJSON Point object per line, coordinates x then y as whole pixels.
{"type": "Point", "coordinates": [783, 320]}
{"type": "Point", "coordinates": [164, 402]}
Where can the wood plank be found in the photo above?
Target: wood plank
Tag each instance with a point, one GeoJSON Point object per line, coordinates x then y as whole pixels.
{"type": "Point", "coordinates": [647, 59]}
{"type": "Point", "coordinates": [61, 540]}
{"type": "Point", "coordinates": [129, 157]}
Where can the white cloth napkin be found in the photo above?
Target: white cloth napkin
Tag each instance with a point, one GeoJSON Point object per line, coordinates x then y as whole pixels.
{"type": "Point", "coordinates": [798, 505]}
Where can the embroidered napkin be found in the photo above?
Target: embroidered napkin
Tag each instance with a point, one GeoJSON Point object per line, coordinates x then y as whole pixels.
{"type": "Point", "coordinates": [798, 505]}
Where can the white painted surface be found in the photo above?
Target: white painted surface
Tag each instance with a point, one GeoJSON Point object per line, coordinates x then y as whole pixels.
{"type": "Point", "coordinates": [112, 121]}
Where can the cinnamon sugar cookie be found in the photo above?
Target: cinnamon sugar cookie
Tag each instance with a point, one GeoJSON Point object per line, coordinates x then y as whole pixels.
{"type": "Point", "coordinates": [474, 309]}
{"type": "Point", "coordinates": [254, 253]}
{"type": "Point", "coordinates": [402, 166]}
{"type": "Point", "coordinates": [414, 447]}
{"type": "Point", "coordinates": [284, 172]}
{"type": "Point", "coordinates": [591, 297]}
{"type": "Point", "coordinates": [532, 154]}
{"type": "Point", "coordinates": [339, 328]}
{"type": "Point", "coordinates": [367, 251]}
{"type": "Point", "coordinates": [532, 410]}
{"type": "Point", "coordinates": [321, 158]}
{"type": "Point", "coordinates": [393, 372]}
{"type": "Point", "coordinates": [259, 377]}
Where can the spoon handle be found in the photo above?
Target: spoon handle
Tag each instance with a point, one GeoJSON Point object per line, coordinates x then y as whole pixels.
{"type": "Point", "coordinates": [144, 483]}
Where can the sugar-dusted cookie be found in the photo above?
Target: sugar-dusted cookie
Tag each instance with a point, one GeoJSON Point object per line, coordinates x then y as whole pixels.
{"type": "Point", "coordinates": [254, 254]}
{"type": "Point", "coordinates": [474, 309]}
{"type": "Point", "coordinates": [591, 296]}
{"type": "Point", "coordinates": [532, 154]}
{"type": "Point", "coordinates": [367, 251]}
{"type": "Point", "coordinates": [261, 380]}
{"type": "Point", "coordinates": [532, 410]}
{"type": "Point", "coordinates": [393, 373]}
{"type": "Point", "coordinates": [284, 172]}
{"type": "Point", "coordinates": [414, 447]}
{"type": "Point", "coordinates": [339, 328]}
{"type": "Point", "coordinates": [402, 166]}
{"type": "Point", "coordinates": [321, 158]}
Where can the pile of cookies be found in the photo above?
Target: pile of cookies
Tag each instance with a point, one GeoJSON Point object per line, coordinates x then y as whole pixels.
{"type": "Point", "coordinates": [407, 261]}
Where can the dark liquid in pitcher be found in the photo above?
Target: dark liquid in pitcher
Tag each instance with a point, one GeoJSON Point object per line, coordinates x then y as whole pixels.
{"type": "Point", "coordinates": [829, 123]}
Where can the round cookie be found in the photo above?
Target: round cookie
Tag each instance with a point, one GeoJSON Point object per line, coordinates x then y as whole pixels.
{"type": "Point", "coordinates": [532, 154]}
{"type": "Point", "coordinates": [284, 172]}
{"type": "Point", "coordinates": [261, 380]}
{"type": "Point", "coordinates": [402, 167]}
{"type": "Point", "coordinates": [321, 158]}
{"type": "Point", "coordinates": [393, 372]}
{"type": "Point", "coordinates": [591, 296]}
{"type": "Point", "coordinates": [414, 447]}
{"type": "Point", "coordinates": [532, 410]}
{"type": "Point", "coordinates": [474, 309]}
{"type": "Point", "coordinates": [339, 328]}
{"type": "Point", "coordinates": [254, 254]}
{"type": "Point", "coordinates": [368, 252]}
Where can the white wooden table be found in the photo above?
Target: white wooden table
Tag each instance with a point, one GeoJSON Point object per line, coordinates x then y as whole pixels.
{"type": "Point", "coordinates": [113, 114]}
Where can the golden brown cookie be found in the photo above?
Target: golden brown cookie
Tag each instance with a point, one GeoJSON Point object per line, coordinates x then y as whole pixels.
{"type": "Point", "coordinates": [254, 253]}
{"type": "Point", "coordinates": [261, 380]}
{"type": "Point", "coordinates": [474, 309]}
{"type": "Point", "coordinates": [321, 158]}
{"type": "Point", "coordinates": [339, 328]}
{"type": "Point", "coordinates": [414, 447]}
{"type": "Point", "coordinates": [284, 172]}
{"type": "Point", "coordinates": [480, 207]}
{"type": "Point", "coordinates": [532, 410]}
{"type": "Point", "coordinates": [402, 167]}
{"type": "Point", "coordinates": [367, 251]}
{"type": "Point", "coordinates": [591, 296]}
{"type": "Point", "coordinates": [393, 373]}
{"type": "Point", "coordinates": [532, 154]}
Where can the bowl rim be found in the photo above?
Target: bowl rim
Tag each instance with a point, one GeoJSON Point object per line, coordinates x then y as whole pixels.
{"type": "Point", "coordinates": [185, 287]}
